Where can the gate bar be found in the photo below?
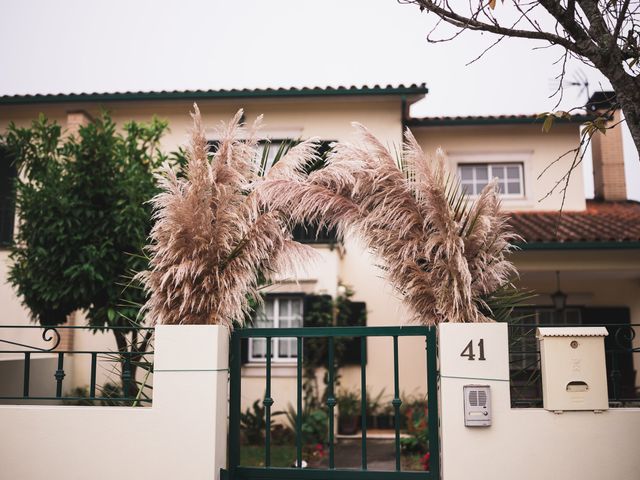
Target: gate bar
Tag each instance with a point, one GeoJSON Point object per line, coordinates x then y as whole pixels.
{"type": "Point", "coordinates": [363, 395]}
{"type": "Point", "coordinates": [331, 403]}
{"type": "Point", "coordinates": [432, 403]}
{"type": "Point", "coordinates": [268, 401]}
{"type": "Point", "coordinates": [234, 407]}
{"type": "Point", "coordinates": [396, 402]}
{"type": "Point", "coordinates": [299, 415]}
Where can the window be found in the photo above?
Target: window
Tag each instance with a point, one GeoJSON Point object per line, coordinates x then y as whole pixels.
{"type": "Point", "coordinates": [474, 177]}
{"type": "Point", "coordinates": [7, 199]}
{"type": "Point", "coordinates": [277, 312]}
{"type": "Point", "coordinates": [280, 146]}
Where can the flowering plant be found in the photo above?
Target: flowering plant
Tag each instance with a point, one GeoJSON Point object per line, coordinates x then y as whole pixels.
{"type": "Point", "coordinates": [424, 461]}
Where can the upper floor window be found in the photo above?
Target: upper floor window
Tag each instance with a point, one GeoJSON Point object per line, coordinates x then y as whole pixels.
{"type": "Point", "coordinates": [277, 312]}
{"type": "Point", "coordinates": [474, 177]}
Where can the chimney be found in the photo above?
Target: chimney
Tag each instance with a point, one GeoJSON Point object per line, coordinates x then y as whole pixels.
{"type": "Point", "coordinates": [608, 158]}
{"type": "Point", "coordinates": [75, 120]}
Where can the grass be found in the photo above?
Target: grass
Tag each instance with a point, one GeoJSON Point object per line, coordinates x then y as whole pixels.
{"type": "Point", "coordinates": [281, 455]}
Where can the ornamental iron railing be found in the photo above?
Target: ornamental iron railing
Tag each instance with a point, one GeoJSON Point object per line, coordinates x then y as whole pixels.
{"type": "Point", "coordinates": [622, 356]}
{"type": "Point", "coordinates": [35, 362]}
{"type": "Point", "coordinates": [331, 335]}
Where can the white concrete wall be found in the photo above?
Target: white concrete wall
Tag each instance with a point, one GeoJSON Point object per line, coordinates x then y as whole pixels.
{"type": "Point", "coordinates": [524, 444]}
{"type": "Point", "coordinates": [183, 435]}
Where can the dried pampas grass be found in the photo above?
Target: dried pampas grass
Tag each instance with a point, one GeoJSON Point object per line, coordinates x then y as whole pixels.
{"type": "Point", "coordinates": [444, 254]}
{"type": "Point", "coordinates": [212, 240]}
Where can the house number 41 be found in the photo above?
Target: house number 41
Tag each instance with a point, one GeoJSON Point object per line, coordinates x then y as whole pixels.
{"type": "Point", "coordinates": [468, 350]}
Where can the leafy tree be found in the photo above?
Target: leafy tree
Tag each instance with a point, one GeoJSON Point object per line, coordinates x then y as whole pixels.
{"type": "Point", "coordinates": [84, 219]}
{"type": "Point", "coordinates": [604, 34]}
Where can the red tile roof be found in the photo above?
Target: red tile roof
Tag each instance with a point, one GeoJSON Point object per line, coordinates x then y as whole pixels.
{"type": "Point", "coordinates": [611, 223]}
{"type": "Point", "coordinates": [523, 119]}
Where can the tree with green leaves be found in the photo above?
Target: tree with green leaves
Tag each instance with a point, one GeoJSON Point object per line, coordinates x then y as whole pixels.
{"type": "Point", "coordinates": [84, 217]}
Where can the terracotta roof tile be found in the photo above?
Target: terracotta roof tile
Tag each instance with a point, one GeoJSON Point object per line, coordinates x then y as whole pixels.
{"type": "Point", "coordinates": [602, 221]}
{"type": "Point", "coordinates": [523, 119]}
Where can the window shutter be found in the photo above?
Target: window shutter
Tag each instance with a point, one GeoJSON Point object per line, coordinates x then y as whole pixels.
{"type": "Point", "coordinates": [244, 350]}
{"type": "Point", "coordinates": [7, 198]}
{"type": "Point", "coordinates": [356, 316]}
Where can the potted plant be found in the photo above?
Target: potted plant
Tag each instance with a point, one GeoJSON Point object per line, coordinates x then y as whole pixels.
{"type": "Point", "coordinates": [386, 417]}
{"type": "Point", "coordinates": [373, 408]}
{"type": "Point", "coordinates": [348, 412]}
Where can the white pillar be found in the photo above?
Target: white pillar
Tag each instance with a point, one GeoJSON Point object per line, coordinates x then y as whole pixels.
{"type": "Point", "coordinates": [472, 354]}
{"type": "Point", "coordinates": [190, 395]}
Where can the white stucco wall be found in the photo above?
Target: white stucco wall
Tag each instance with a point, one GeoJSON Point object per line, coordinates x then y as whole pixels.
{"type": "Point", "coordinates": [525, 144]}
{"type": "Point", "coordinates": [524, 443]}
{"type": "Point", "coordinates": [183, 435]}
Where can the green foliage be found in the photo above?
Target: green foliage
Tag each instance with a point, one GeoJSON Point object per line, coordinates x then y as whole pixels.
{"type": "Point", "coordinates": [417, 424]}
{"type": "Point", "coordinates": [314, 425]}
{"type": "Point", "coordinates": [254, 424]}
{"type": "Point", "coordinates": [374, 404]}
{"type": "Point", "coordinates": [323, 311]}
{"type": "Point", "coordinates": [108, 391]}
{"type": "Point", "coordinates": [348, 402]}
{"type": "Point", "coordinates": [83, 217]}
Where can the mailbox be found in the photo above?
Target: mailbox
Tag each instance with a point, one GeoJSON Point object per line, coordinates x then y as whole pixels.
{"type": "Point", "coordinates": [574, 372]}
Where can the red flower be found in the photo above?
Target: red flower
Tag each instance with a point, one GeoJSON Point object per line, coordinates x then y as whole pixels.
{"type": "Point", "coordinates": [425, 461]}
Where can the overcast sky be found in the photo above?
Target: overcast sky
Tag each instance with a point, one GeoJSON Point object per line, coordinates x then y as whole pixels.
{"type": "Point", "coordinates": [86, 46]}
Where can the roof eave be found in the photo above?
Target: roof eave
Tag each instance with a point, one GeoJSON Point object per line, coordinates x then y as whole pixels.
{"type": "Point", "coordinates": [578, 246]}
{"type": "Point", "coordinates": [410, 91]}
{"type": "Point", "coordinates": [462, 122]}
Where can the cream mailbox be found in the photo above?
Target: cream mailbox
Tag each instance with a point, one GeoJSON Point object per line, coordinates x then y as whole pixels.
{"type": "Point", "coordinates": [574, 373]}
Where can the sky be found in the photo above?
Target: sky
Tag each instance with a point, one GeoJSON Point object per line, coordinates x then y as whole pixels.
{"type": "Point", "coordinates": [123, 45]}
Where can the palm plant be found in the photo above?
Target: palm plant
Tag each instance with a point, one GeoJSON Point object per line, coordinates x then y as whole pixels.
{"type": "Point", "coordinates": [445, 254]}
{"type": "Point", "coordinates": [212, 241]}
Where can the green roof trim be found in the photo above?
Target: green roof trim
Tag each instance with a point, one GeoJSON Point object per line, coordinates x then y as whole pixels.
{"type": "Point", "coordinates": [578, 246]}
{"type": "Point", "coordinates": [490, 120]}
{"type": "Point", "coordinates": [414, 89]}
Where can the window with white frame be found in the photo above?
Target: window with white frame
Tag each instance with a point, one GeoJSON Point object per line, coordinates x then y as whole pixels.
{"type": "Point", "coordinates": [474, 177]}
{"type": "Point", "coordinates": [277, 312]}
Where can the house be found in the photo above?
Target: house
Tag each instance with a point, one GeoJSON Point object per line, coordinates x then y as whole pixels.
{"type": "Point", "coordinates": [588, 255]}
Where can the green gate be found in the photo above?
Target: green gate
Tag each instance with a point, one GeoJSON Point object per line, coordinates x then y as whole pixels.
{"type": "Point", "coordinates": [239, 472]}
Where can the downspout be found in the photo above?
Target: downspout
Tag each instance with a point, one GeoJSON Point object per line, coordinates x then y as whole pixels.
{"type": "Point", "coordinates": [404, 112]}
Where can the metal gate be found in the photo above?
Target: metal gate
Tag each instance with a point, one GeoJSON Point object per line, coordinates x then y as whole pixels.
{"type": "Point", "coordinates": [239, 472]}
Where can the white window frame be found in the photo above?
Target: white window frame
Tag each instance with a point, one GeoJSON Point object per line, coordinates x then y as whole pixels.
{"type": "Point", "coordinates": [523, 157]}
{"type": "Point", "coordinates": [275, 346]}
{"type": "Point", "coordinates": [490, 175]}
